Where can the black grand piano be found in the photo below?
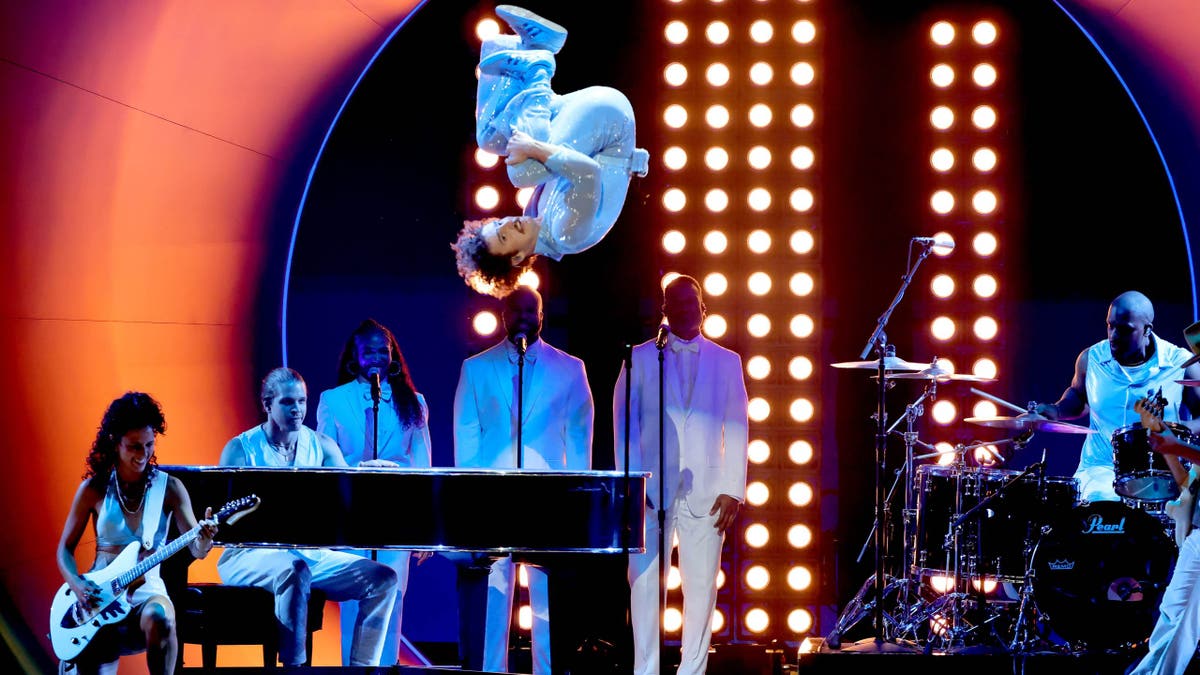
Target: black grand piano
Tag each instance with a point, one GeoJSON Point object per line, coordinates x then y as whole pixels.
{"type": "Point", "coordinates": [485, 510]}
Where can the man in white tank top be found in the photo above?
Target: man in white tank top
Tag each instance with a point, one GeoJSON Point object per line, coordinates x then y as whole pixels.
{"type": "Point", "coordinates": [1110, 378]}
{"type": "Point", "coordinates": [283, 440]}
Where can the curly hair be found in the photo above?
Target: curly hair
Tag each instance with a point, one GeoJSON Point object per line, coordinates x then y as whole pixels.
{"type": "Point", "coordinates": [494, 275]}
{"type": "Point", "coordinates": [404, 393]}
{"type": "Point", "coordinates": [132, 411]}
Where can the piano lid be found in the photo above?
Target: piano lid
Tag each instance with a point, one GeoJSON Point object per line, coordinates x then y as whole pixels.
{"type": "Point", "coordinates": [440, 509]}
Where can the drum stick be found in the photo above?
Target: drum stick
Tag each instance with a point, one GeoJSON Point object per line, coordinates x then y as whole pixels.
{"type": "Point", "coordinates": [996, 399]}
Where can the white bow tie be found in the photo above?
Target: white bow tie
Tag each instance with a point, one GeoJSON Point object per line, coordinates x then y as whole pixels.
{"type": "Point", "coordinates": [678, 346]}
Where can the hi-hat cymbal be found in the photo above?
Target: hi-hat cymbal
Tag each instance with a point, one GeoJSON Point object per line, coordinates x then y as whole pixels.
{"type": "Point", "coordinates": [941, 375]}
{"type": "Point", "coordinates": [889, 363]}
{"type": "Point", "coordinates": [1030, 423]}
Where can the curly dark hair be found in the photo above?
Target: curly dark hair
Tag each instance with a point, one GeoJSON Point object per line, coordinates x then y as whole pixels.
{"type": "Point", "coordinates": [132, 411]}
{"type": "Point", "coordinates": [495, 275]}
{"type": "Point", "coordinates": [404, 393]}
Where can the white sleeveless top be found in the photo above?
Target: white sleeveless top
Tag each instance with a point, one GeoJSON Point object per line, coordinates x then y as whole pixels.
{"type": "Point", "coordinates": [1113, 389]}
{"type": "Point", "coordinates": [113, 530]}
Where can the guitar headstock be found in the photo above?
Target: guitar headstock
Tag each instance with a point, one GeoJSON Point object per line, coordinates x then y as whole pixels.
{"type": "Point", "coordinates": [1151, 410]}
{"type": "Point", "coordinates": [234, 510]}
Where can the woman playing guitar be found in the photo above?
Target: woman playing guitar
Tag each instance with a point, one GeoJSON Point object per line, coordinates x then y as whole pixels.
{"type": "Point", "coordinates": [130, 500]}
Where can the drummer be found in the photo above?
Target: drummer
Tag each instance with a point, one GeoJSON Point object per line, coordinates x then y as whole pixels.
{"type": "Point", "coordinates": [1111, 376]}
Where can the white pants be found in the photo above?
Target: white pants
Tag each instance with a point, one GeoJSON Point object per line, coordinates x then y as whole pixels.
{"type": "Point", "coordinates": [501, 589]}
{"type": "Point", "coordinates": [1096, 484]}
{"type": "Point", "coordinates": [291, 573]}
{"type": "Point", "coordinates": [699, 560]}
{"type": "Point", "coordinates": [1175, 636]}
{"type": "Point", "coordinates": [399, 562]}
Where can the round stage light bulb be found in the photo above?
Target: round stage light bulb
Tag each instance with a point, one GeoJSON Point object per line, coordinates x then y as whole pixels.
{"type": "Point", "coordinates": [673, 241]}
{"type": "Point", "coordinates": [803, 157]}
{"type": "Point", "coordinates": [675, 74]}
{"type": "Point", "coordinates": [675, 158]}
{"type": "Point", "coordinates": [715, 284]}
{"type": "Point", "coordinates": [716, 158]}
{"type": "Point", "coordinates": [758, 451]}
{"type": "Point", "coordinates": [715, 242]}
{"type": "Point", "coordinates": [800, 368]}
{"type": "Point", "coordinates": [485, 323]}
{"type": "Point", "coordinates": [675, 116]}
{"type": "Point", "coordinates": [800, 452]}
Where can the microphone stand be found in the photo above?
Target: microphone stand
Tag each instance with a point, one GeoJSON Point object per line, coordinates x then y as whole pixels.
{"type": "Point", "coordinates": [376, 393]}
{"type": "Point", "coordinates": [878, 343]}
{"type": "Point", "coordinates": [520, 406]}
{"type": "Point", "coordinates": [664, 550]}
{"type": "Point", "coordinates": [626, 516]}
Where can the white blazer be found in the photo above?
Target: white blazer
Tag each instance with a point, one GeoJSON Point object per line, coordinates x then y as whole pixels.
{"type": "Point", "coordinates": [341, 414]}
{"type": "Point", "coordinates": [558, 411]}
{"type": "Point", "coordinates": [705, 442]}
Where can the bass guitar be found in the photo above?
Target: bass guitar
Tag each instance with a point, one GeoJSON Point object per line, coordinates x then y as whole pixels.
{"type": "Point", "coordinates": [73, 623]}
{"type": "Point", "coordinates": [1179, 509]}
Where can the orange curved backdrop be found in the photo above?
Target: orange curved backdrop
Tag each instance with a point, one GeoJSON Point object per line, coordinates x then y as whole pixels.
{"type": "Point", "coordinates": [145, 146]}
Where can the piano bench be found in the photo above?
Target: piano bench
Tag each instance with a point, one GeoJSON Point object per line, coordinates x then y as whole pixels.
{"type": "Point", "coordinates": [219, 614]}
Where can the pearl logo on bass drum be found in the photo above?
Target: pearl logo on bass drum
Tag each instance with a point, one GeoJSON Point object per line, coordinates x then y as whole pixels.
{"type": "Point", "coordinates": [1096, 525]}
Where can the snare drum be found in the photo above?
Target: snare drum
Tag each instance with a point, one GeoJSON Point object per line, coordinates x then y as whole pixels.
{"type": "Point", "coordinates": [1142, 474]}
{"type": "Point", "coordinates": [1100, 572]}
{"type": "Point", "coordinates": [992, 541]}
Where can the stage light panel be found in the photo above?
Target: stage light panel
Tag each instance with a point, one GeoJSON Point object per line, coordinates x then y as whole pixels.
{"type": "Point", "coordinates": [802, 73]}
{"type": "Point", "coordinates": [757, 577]}
{"type": "Point", "coordinates": [758, 241]}
{"type": "Point", "coordinates": [676, 32]}
{"type": "Point", "coordinates": [759, 115]}
{"type": "Point", "coordinates": [717, 116]}
{"type": "Point", "coordinates": [941, 33]}
{"type": "Point", "coordinates": [944, 412]}
{"type": "Point", "coordinates": [675, 74]}
{"type": "Point", "coordinates": [942, 285]}
{"type": "Point", "coordinates": [803, 115]}
{"type": "Point", "coordinates": [984, 160]}
{"type": "Point", "coordinates": [757, 535]}
{"type": "Point", "coordinates": [942, 251]}
{"type": "Point", "coordinates": [674, 200]}
{"type": "Point", "coordinates": [984, 33]}
{"type": "Point", "coordinates": [802, 325]}
{"type": "Point", "coordinates": [717, 74]}
{"type": "Point", "coordinates": [675, 158]}
{"type": "Point", "coordinates": [716, 200]}
{"type": "Point", "coordinates": [802, 157]}
{"type": "Point", "coordinates": [942, 328]}
{"type": "Point", "coordinates": [985, 244]}
{"type": "Point", "coordinates": [985, 286]}
{"type": "Point", "coordinates": [759, 199]}
{"type": "Point", "coordinates": [983, 117]}
{"type": "Point", "coordinates": [525, 617]}
{"type": "Point", "coordinates": [941, 75]}
{"type": "Point", "coordinates": [984, 202]}
{"type": "Point", "coordinates": [801, 284]}
{"type": "Point", "coordinates": [758, 409]}
{"type": "Point", "coordinates": [804, 31]}
{"type": "Point", "coordinates": [800, 494]}
{"type": "Point", "coordinates": [759, 157]}
{"type": "Point", "coordinates": [802, 241]}
{"type": "Point", "coordinates": [800, 452]}
{"type": "Point", "coordinates": [941, 118]}
{"type": "Point", "coordinates": [799, 621]}
{"type": "Point", "coordinates": [985, 368]}
{"type": "Point", "coordinates": [799, 536]}
{"type": "Point", "coordinates": [946, 450]}
{"type": "Point", "coordinates": [762, 31]}
{"type": "Point", "coordinates": [986, 328]}
{"type": "Point", "coordinates": [941, 159]}
{"type": "Point", "coordinates": [716, 158]}
{"type": "Point", "coordinates": [984, 409]}
{"type": "Point", "coordinates": [761, 73]}
{"type": "Point", "coordinates": [800, 368]}
{"type": "Point", "coordinates": [758, 367]}
{"type": "Point", "coordinates": [715, 284]}
{"type": "Point", "coordinates": [485, 323]}
{"type": "Point", "coordinates": [802, 410]}
{"type": "Point", "coordinates": [717, 32]}
{"type": "Point", "coordinates": [715, 326]}
{"type": "Point", "coordinates": [984, 75]}
{"type": "Point", "coordinates": [799, 578]}
{"type": "Point", "coordinates": [942, 201]}
{"type": "Point", "coordinates": [759, 283]}
{"type": "Point", "coordinates": [758, 325]}
{"type": "Point", "coordinates": [675, 116]}
{"type": "Point", "coordinates": [716, 242]}
{"type": "Point", "coordinates": [673, 242]}
{"type": "Point", "coordinates": [758, 451]}
{"type": "Point", "coordinates": [757, 493]}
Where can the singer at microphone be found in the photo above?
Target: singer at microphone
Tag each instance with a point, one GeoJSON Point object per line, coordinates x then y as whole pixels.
{"type": "Point", "coordinates": [947, 244]}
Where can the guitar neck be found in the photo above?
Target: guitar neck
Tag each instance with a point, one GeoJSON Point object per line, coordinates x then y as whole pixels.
{"type": "Point", "coordinates": [150, 562]}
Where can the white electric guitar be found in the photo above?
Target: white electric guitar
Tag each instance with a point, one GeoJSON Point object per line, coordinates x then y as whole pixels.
{"type": "Point", "coordinates": [1179, 509]}
{"type": "Point", "coordinates": [73, 624]}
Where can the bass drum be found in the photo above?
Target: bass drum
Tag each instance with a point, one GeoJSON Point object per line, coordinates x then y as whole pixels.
{"type": "Point", "coordinates": [1100, 572]}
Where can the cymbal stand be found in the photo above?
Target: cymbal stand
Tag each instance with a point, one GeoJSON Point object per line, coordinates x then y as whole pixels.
{"type": "Point", "coordinates": [1024, 630]}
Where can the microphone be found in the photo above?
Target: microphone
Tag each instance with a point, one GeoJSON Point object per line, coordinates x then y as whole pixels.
{"type": "Point", "coordinates": [947, 244]}
{"type": "Point", "coordinates": [373, 378]}
{"type": "Point", "coordinates": [661, 340]}
{"type": "Point", "coordinates": [521, 342]}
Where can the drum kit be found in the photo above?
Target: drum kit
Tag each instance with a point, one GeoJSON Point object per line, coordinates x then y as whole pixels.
{"type": "Point", "coordinates": [1011, 561]}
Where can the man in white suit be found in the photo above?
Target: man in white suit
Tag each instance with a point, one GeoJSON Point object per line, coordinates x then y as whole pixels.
{"type": "Point", "coordinates": [556, 418]}
{"type": "Point", "coordinates": [704, 472]}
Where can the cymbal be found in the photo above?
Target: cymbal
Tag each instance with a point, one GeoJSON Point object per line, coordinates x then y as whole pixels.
{"type": "Point", "coordinates": [941, 375]}
{"type": "Point", "coordinates": [889, 363]}
{"type": "Point", "coordinates": [1030, 423]}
